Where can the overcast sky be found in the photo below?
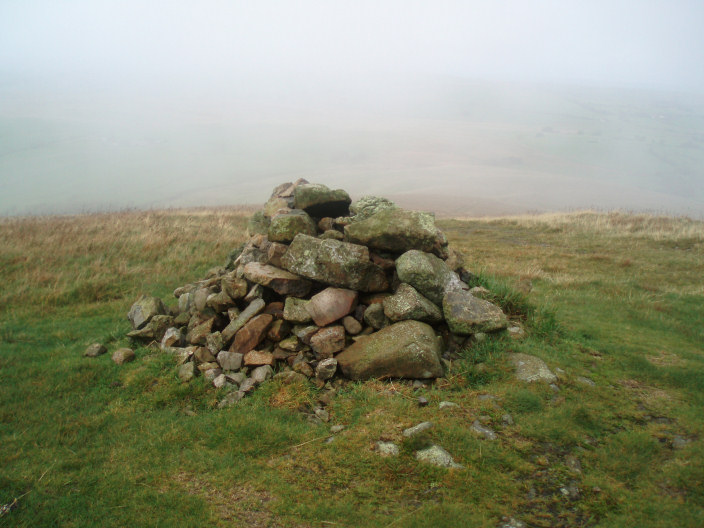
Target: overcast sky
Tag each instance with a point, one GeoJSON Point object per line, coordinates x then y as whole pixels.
{"type": "Point", "coordinates": [657, 43]}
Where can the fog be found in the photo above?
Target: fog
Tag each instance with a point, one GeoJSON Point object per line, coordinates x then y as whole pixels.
{"type": "Point", "coordinates": [460, 107]}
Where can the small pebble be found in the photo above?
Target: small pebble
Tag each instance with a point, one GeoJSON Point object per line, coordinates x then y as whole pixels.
{"type": "Point", "coordinates": [422, 401]}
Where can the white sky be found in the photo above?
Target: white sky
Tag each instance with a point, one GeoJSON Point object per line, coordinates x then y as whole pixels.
{"type": "Point", "coordinates": [637, 42]}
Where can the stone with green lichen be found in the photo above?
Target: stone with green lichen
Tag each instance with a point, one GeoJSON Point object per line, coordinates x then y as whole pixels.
{"type": "Point", "coordinates": [396, 230]}
{"type": "Point", "coordinates": [295, 310]}
{"type": "Point", "coordinates": [409, 349]}
{"type": "Point", "coordinates": [320, 201]}
{"type": "Point", "coordinates": [367, 206]}
{"type": "Point", "coordinates": [144, 309]}
{"type": "Point", "coordinates": [428, 274]}
{"type": "Point", "coordinates": [258, 224]}
{"type": "Point", "coordinates": [285, 226]}
{"type": "Point", "coordinates": [466, 314]}
{"type": "Point", "coordinates": [407, 303]}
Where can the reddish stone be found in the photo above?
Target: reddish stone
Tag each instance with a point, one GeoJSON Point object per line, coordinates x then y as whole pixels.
{"type": "Point", "coordinates": [275, 252]}
{"type": "Point", "coordinates": [276, 309]}
{"type": "Point", "coordinates": [327, 341]}
{"type": "Point", "coordinates": [251, 334]}
{"type": "Point", "coordinates": [199, 333]}
{"type": "Point", "coordinates": [278, 330]}
{"type": "Point", "coordinates": [258, 358]}
{"type": "Point", "coordinates": [384, 263]}
{"type": "Point", "coordinates": [281, 281]}
{"type": "Point", "coordinates": [331, 304]}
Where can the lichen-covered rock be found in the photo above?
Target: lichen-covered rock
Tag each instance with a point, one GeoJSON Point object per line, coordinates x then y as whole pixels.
{"type": "Point", "coordinates": [335, 263]}
{"type": "Point", "coordinates": [250, 311]}
{"type": "Point", "coordinates": [95, 350]}
{"type": "Point", "coordinates": [123, 355]}
{"type": "Point", "coordinates": [465, 314]}
{"type": "Point", "coordinates": [530, 368]}
{"type": "Point", "coordinates": [437, 456]}
{"type": "Point", "coordinates": [407, 303]}
{"type": "Point", "coordinates": [331, 304]}
{"type": "Point", "coordinates": [144, 309]}
{"type": "Point", "coordinates": [154, 330]}
{"type": "Point", "coordinates": [326, 369]}
{"type": "Point", "coordinates": [428, 274]}
{"type": "Point", "coordinates": [368, 206]}
{"type": "Point", "coordinates": [281, 281]}
{"type": "Point", "coordinates": [375, 317]}
{"type": "Point", "coordinates": [409, 349]}
{"type": "Point", "coordinates": [258, 224]}
{"type": "Point", "coordinates": [327, 341]}
{"type": "Point", "coordinates": [295, 310]}
{"type": "Point", "coordinates": [187, 372]}
{"type": "Point", "coordinates": [319, 200]}
{"type": "Point", "coordinates": [396, 230]}
{"type": "Point", "coordinates": [285, 226]}
{"type": "Point", "coordinates": [230, 360]}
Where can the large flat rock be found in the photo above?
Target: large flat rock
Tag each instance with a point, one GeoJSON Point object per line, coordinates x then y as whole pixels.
{"type": "Point", "coordinates": [285, 226]}
{"type": "Point", "coordinates": [335, 263]}
{"type": "Point", "coordinates": [281, 281]}
{"type": "Point", "coordinates": [320, 201]}
{"type": "Point", "coordinates": [409, 349]}
{"type": "Point", "coordinates": [396, 230]}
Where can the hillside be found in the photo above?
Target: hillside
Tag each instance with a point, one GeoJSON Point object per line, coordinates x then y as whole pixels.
{"type": "Point", "coordinates": [613, 303]}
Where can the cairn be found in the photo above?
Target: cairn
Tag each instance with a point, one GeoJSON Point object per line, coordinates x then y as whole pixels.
{"type": "Point", "coordinates": [324, 288]}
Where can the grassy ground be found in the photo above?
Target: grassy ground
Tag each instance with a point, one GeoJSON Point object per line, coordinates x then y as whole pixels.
{"type": "Point", "coordinates": [615, 299]}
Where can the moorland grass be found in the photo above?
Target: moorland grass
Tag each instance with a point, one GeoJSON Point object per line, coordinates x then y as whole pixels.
{"type": "Point", "coordinates": [614, 298]}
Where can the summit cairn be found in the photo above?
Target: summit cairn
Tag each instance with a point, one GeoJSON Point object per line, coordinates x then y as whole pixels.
{"type": "Point", "coordinates": [324, 288]}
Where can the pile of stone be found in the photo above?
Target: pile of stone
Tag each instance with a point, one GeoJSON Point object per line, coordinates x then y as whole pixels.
{"type": "Point", "coordinates": [324, 287]}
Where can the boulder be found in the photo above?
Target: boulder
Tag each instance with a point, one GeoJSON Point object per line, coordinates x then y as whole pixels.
{"type": "Point", "coordinates": [251, 334]}
{"type": "Point", "coordinates": [407, 303]}
{"type": "Point", "coordinates": [465, 314]}
{"type": "Point", "coordinates": [428, 274]}
{"type": "Point", "coordinates": [368, 206]}
{"type": "Point", "coordinates": [285, 226]}
{"type": "Point", "coordinates": [409, 349]}
{"type": "Point", "coordinates": [331, 304]}
{"type": "Point", "coordinates": [530, 368]}
{"type": "Point", "coordinates": [144, 309]}
{"type": "Point", "coordinates": [281, 281]}
{"type": "Point", "coordinates": [396, 230]}
{"type": "Point", "coordinates": [320, 201]}
{"type": "Point", "coordinates": [335, 263]}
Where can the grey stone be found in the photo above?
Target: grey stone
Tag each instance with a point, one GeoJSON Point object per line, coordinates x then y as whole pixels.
{"type": "Point", "coordinates": [437, 456]}
{"type": "Point", "coordinates": [123, 355]}
{"type": "Point", "coordinates": [281, 281]}
{"type": "Point", "coordinates": [465, 314]}
{"type": "Point", "coordinates": [230, 360]}
{"type": "Point", "coordinates": [428, 274]}
{"type": "Point", "coordinates": [154, 330]}
{"type": "Point", "coordinates": [320, 201]}
{"type": "Point", "coordinates": [248, 385]}
{"type": "Point", "coordinates": [417, 429]}
{"type": "Point", "coordinates": [187, 372]}
{"type": "Point", "coordinates": [352, 326]}
{"type": "Point", "coordinates": [422, 401]}
{"type": "Point", "coordinates": [255, 292]}
{"type": "Point", "coordinates": [261, 374]}
{"type": "Point", "coordinates": [507, 419]}
{"type": "Point", "coordinates": [395, 230]}
{"type": "Point", "coordinates": [531, 369]}
{"type": "Point", "coordinates": [220, 381]}
{"type": "Point", "coordinates": [510, 522]}
{"type": "Point", "coordinates": [328, 341]}
{"type": "Point", "coordinates": [322, 414]}
{"type": "Point", "coordinates": [173, 337]}
{"type": "Point", "coordinates": [144, 309]}
{"type": "Point", "coordinates": [407, 303]}
{"type": "Point", "coordinates": [337, 429]}
{"type": "Point", "coordinates": [95, 350]}
{"type": "Point", "coordinates": [230, 399]}
{"type": "Point", "coordinates": [331, 304]}
{"type": "Point", "coordinates": [252, 309]}
{"type": "Point", "coordinates": [448, 405]}
{"type": "Point", "coordinates": [212, 373]}
{"type": "Point", "coordinates": [295, 310]}
{"type": "Point", "coordinates": [386, 449]}
{"type": "Point", "coordinates": [236, 377]}
{"type": "Point", "coordinates": [375, 317]}
{"type": "Point", "coordinates": [285, 226]}
{"type": "Point", "coordinates": [483, 430]}
{"type": "Point", "coordinates": [585, 381]}
{"type": "Point", "coordinates": [368, 206]}
{"type": "Point", "coordinates": [326, 369]}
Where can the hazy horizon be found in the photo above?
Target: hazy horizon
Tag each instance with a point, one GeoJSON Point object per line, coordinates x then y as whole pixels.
{"type": "Point", "coordinates": [462, 107]}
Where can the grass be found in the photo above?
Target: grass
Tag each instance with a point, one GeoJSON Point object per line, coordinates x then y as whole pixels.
{"type": "Point", "coordinates": [614, 298]}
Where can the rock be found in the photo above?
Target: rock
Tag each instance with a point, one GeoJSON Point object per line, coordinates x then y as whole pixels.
{"type": "Point", "coordinates": [95, 350]}
{"type": "Point", "coordinates": [281, 281]}
{"type": "Point", "coordinates": [205, 368]}
{"type": "Point", "coordinates": [220, 381]}
{"type": "Point", "coordinates": [200, 298]}
{"type": "Point", "coordinates": [409, 349]}
{"type": "Point", "coordinates": [295, 310]}
{"type": "Point", "coordinates": [396, 230]}
{"type": "Point", "coordinates": [275, 252]}
{"type": "Point", "coordinates": [215, 343]}
{"type": "Point", "coordinates": [256, 292]}
{"type": "Point", "coordinates": [230, 399]}
{"type": "Point", "coordinates": [448, 405]}
{"type": "Point", "coordinates": [251, 334]}
{"type": "Point", "coordinates": [198, 335]}
{"type": "Point", "coordinates": [234, 287]}
{"type": "Point", "coordinates": [289, 376]}
{"type": "Point", "coordinates": [326, 369]}
{"type": "Point", "coordinates": [368, 206]}
{"type": "Point", "coordinates": [465, 314]}
{"type": "Point", "coordinates": [144, 309]}
{"type": "Point", "coordinates": [328, 341]}
{"type": "Point", "coordinates": [262, 373]}
{"type": "Point", "coordinates": [203, 355]}
{"type": "Point", "coordinates": [585, 381]}
{"type": "Point", "coordinates": [185, 301]}
{"type": "Point", "coordinates": [258, 224]}
{"type": "Point", "coordinates": [428, 274]}
{"type": "Point", "coordinates": [331, 304]}
{"type": "Point", "coordinates": [220, 301]}
{"type": "Point", "coordinates": [375, 317]}
{"type": "Point", "coordinates": [437, 456]}
{"type": "Point", "coordinates": [337, 429]}
{"type": "Point", "coordinates": [187, 372]}
{"type": "Point", "coordinates": [123, 355]}
{"type": "Point", "coordinates": [417, 429]}
{"type": "Point", "coordinates": [516, 331]}
{"type": "Point", "coordinates": [352, 326]}
{"type": "Point", "coordinates": [531, 368]}
{"type": "Point", "coordinates": [173, 337]}
{"type": "Point", "coordinates": [236, 377]}
{"type": "Point", "coordinates": [305, 332]}
{"type": "Point", "coordinates": [386, 449]}
{"type": "Point", "coordinates": [335, 263]}
{"type": "Point", "coordinates": [230, 360]}
{"type": "Point", "coordinates": [510, 522]}
{"type": "Point", "coordinates": [422, 401]}
{"type": "Point", "coordinates": [285, 226]}
{"type": "Point", "coordinates": [248, 385]}
{"type": "Point", "coordinates": [323, 415]}
{"type": "Point", "coordinates": [301, 366]}
{"type": "Point", "coordinates": [507, 419]}
{"type": "Point", "coordinates": [407, 303]}
{"type": "Point", "coordinates": [257, 357]}
{"type": "Point", "coordinates": [678, 442]}
{"type": "Point", "coordinates": [320, 201]}
{"type": "Point", "coordinates": [483, 430]}
{"type": "Point", "coordinates": [278, 330]}
{"type": "Point", "coordinates": [252, 309]}
{"type": "Point", "coordinates": [154, 330]}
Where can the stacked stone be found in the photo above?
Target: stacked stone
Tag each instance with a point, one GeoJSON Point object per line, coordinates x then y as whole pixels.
{"type": "Point", "coordinates": [324, 286]}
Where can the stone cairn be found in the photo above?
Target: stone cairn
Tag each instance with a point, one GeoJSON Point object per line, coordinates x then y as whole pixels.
{"type": "Point", "coordinates": [324, 288]}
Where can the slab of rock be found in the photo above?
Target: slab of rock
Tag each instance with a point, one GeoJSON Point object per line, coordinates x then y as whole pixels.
{"type": "Point", "coordinates": [235, 325]}
{"type": "Point", "coordinates": [251, 334]}
{"type": "Point", "coordinates": [230, 360]}
{"type": "Point", "coordinates": [203, 355]}
{"type": "Point", "coordinates": [285, 226]}
{"type": "Point", "coordinates": [428, 274]}
{"type": "Point", "coordinates": [437, 456]}
{"type": "Point", "coordinates": [320, 201]}
{"type": "Point", "coordinates": [326, 369]}
{"type": "Point", "coordinates": [281, 281]}
{"type": "Point", "coordinates": [275, 252]}
{"type": "Point", "coordinates": [144, 309]}
{"type": "Point", "coordinates": [295, 310]}
{"type": "Point", "coordinates": [123, 355]}
{"type": "Point", "coordinates": [95, 350]}
{"type": "Point", "coordinates": [278, 330]}
{"type": "Point", "coordinates": [417, 429]}
{"type": "Point", "coordinates": [407, 303]}
{"type": "Point", "coordinates": [368, 206]}
{"type": "Point", "coordinates": [409, 349]}
{"type": "Point", "coordinates": [154, 330]}
{"type": "Point", "coordinates": [257, 357]}
{"type": "Point", "coordinates": [328, 341]}
{"type": "Point", "coordinates": [530, 369]}
{"type": "Point", "coordinates": [233, 286]}
{"type": "Point", "coordinates": [335, 263]}
{"type": "Point", "coordinates": [395, 230]}
{"type": "Point", "coordinates": [331, 304]}
{"type": "Point", "coordinates": [465, 314]}
{"type": "Point", "coordinates": [198, 335]}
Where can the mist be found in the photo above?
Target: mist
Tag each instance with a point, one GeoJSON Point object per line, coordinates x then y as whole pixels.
{"type": "Point", "coordinates": [460, 107]}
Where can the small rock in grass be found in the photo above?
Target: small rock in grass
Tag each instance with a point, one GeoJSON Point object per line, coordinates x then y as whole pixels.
{"type": "Point", "coordinates": [326, 369]}
{"type": "Point", "coordinates": [263, 373]}
{"type": "Point", "coordinates": [510, 522]}
{"type": "Point", "coordinates": [507, 419]}
{"type": "Point", "coordinates": [322, 414]}
{"type": "Point", "coordinates": [248, 385]}
{"type": "Point", "coordinates": [417, 429]}
{"type": "Point", "coordinates": [422, 401]}
{"type": "Point", "coordinates": [680, 442]}
{"type": "Point", "coordinates": [386, 449]}
{"type": "Point", "coordinates": [237, 377]}
{"type": "Point", "coordinates": [220, 381]}
{"type": "Point", "coordinates": [448, 405]}
{"type": "Point", "coordinates": [230, 399]}
{"type": "Point", "coordinates": [437, 456]}
{"type": "Point", "coordinates": [211, 374]}
{"type": "Point", "coordinates": [484, 431]}
{"type": "Point", "coordinates": [95, 350]}
{"type": "Point", "coordinates": [585, 381]}
{"type": "Point", "coordinates": [336, 429]}
{"type": "Point", "coordinates": [123, 355]}
{"type": "Point", "coordinates": [187, 372]}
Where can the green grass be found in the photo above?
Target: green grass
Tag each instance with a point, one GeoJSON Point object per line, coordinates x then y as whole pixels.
{"type": "Point", "coordinates": [84, 442]}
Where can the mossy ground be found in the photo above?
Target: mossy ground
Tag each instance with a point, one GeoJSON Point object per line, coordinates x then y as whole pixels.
{"type": "Point", "coordinates": [616, 299]}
